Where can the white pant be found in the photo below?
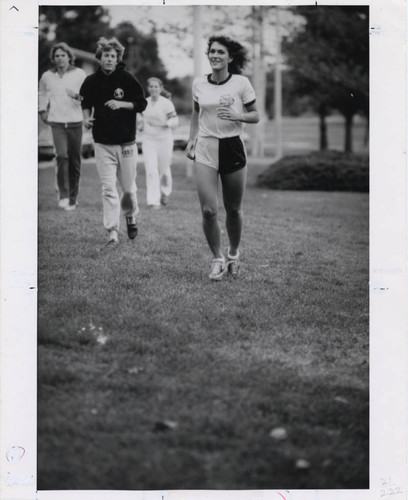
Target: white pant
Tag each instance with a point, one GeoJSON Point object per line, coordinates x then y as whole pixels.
{"type": "Point", "coordinates": [117, 162]}
{"type": "Point", "coordinates": [157, 155]}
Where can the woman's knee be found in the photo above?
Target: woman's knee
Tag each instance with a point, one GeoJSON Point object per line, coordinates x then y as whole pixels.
{"type": "Point", "coordinates": [62, 156]}
{"type": "Point", "coordinates": [209, 212]}
{"type": "Point", "coordinates": [234, 212]}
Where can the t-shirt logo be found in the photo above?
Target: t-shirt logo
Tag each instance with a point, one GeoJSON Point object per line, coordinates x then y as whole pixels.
{"type": "Point", "coordinates": [226, 100]}
{"type": "Point", "coordinates": [118, 94]}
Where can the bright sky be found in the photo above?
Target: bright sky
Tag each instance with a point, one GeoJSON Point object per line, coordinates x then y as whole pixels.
{"type": "Point", "coordinates": [177, 63]}
{"type": "Point", "coordinates": [232, 20]}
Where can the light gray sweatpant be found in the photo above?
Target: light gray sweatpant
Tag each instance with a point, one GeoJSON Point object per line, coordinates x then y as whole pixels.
{"type": "Point", "coordinates": [117, 163]}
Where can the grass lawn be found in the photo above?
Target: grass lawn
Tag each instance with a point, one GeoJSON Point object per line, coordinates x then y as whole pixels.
{"type": "Point", "coordinates": [151, 377]}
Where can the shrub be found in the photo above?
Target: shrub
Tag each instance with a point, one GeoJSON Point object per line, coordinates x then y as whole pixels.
{"type": "Point", "coordinates": [320, 171]}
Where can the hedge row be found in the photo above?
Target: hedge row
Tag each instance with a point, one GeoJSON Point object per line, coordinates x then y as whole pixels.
{"type": "Point", "coordinates": [320, 171]}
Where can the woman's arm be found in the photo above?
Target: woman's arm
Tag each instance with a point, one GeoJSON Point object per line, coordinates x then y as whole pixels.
{"type": "Point", "coordinates": [43, 100]}
{"type": "Point", "coordinates": [190, 149]}
{"type": "Point", "coordinates": [249, 116]}
{"type": "Point", "coordinates": [88, 118]}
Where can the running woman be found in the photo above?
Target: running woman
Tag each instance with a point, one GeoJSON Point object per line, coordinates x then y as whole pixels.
{"type": "Point", "coordinates": [159, 120]}
{"type": "Point", "coordinates": [111, 97]}
{"type": "Point", "coordinates": [59, 106]}
{"type": "Point", "coordinates": [222, 102]}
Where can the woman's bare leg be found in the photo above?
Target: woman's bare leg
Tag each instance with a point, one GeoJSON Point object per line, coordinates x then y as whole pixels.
{"type": "Point", "coordinates": [207, 188]}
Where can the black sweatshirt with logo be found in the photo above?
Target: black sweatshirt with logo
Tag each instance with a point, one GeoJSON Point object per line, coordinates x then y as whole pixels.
{"type": "Point", "coordinates": [113, 126]}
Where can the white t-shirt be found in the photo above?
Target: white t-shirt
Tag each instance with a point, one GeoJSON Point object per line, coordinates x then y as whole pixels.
{"type": "Point", "coordinates": [236, 92]}
{"type": "Point", "coordinates": [155, 118]}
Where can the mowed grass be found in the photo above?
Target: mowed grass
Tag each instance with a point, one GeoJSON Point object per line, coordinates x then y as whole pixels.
{"type": "Point", "coordinates": [151, 377]}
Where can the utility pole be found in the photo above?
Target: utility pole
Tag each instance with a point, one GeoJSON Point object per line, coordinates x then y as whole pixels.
{"type": "Point", "coordinates": [197, 55]}
{"type": "Point", "coordinates": [258, 131]}
{"type": "Point", "coordinates": [278, 90]}
{"type": "Point", "coordinates": [197, 40]}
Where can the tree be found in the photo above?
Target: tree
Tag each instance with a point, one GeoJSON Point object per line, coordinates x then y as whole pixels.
{"type": "Point", "coordinates": [141, 52]}
{"type": "Point", "coordinates": [79, 27]}
{"type": "Point", "coordinates": [76, 25]}
{"type": "Point", "coordinates": [328, 58]}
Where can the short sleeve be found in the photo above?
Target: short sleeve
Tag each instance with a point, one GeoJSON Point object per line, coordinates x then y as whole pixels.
{"type": "Point", "coordinates": [248, 96]}
{"type": "Point", "coordinates": [170, 107]}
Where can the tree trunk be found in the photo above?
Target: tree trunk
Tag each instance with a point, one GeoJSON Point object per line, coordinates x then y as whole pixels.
{"type": "Point", "coordinates": [323, 129]}
{"type": "Point", "coordinates": [348, 143]}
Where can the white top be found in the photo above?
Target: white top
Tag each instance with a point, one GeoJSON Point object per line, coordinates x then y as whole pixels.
{"type": "Point", "coordinates": [54, 93]}
{"type": "Point", "coordinates": [236, 92]}
{"type": "Point", "coordinates": [158, 118]}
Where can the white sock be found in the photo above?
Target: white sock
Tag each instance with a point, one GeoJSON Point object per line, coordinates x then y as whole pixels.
{"type": "Point", "coordinates": [233, 257]}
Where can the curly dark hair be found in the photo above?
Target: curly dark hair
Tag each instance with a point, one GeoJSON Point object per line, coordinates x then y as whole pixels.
{"type": "Point", "coordinates": [105, 45]}
{"type": "Point", "coordinates": [237, 51]}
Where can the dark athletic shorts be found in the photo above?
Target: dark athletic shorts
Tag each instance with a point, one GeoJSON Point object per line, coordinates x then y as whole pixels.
{"type": "Point", "coordinates": [225, 155]}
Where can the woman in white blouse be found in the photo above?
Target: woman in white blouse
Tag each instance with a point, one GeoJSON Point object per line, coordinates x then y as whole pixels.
{"type": "Point", "coordinates": [59, 106]}
{"type": "Point", "coordinates": [159, 119]}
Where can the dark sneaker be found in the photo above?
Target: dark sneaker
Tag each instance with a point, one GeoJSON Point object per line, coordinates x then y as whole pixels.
{"type": "Point", "coordinates": [164, 200]}
{"type": "Point", "coordinates": [233, 267]}
{"type": "Point", "coordinates": [131, 227]}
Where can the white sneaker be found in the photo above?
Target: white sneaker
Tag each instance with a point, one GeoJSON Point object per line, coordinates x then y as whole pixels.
{"type": "Point", "coordinates": [70, 208]}
{"type": "Point", "coordinates": [63, 202]}
{"type": "Point", "coordinates": [217, 269]}
{"type": "Point", "coordinates": [113, 236]}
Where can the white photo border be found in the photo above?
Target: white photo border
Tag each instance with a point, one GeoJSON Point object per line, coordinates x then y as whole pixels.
{"type": "Point", "coordinates": [18, 259]}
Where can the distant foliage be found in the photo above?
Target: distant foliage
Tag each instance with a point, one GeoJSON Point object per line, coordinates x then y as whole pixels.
{"type": "Point", "coordinates": [78, 26]}
{"type": "Point", "coordinates": [180, 89]}
{"type": "Point", "coordinates": [320, 171]}
{"type": "Point", "coordinates": [141, 52]}
{"type": "Point", "coordinates": [328, 60]}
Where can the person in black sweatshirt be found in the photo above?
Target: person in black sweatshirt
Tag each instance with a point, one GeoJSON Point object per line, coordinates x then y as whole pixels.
{"type": "Point", "coordinates": [111, 97]}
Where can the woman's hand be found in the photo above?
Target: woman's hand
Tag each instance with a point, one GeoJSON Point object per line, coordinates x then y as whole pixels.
{"type": "Point", "coordinates": [154, 121]}
{"type": "Point", "coordinates": [44, 117]}
{"type": "Point", "coordinates": [73, 95]}
{"type": "Point", "coordinates": [226, 113]}
{"type": "Point", "coordinates": [88, 122]}
{"type": "Point", "coordinates": [190, 149]}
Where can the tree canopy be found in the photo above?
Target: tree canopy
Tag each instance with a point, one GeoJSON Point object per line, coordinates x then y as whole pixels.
{"type": "Point", "coordinates": [81, 27]}
{"type": "Point", "coordinates": [328, 59]}
{"type": "Point", "coordinates": [141, 52]}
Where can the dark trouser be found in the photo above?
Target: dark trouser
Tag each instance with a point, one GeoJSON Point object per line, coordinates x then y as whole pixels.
{"type": "Point", "coordinates": [68, 143]}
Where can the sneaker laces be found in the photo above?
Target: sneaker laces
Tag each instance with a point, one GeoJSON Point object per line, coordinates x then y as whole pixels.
{"type": "Point", "coordinates": [233, 264]}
